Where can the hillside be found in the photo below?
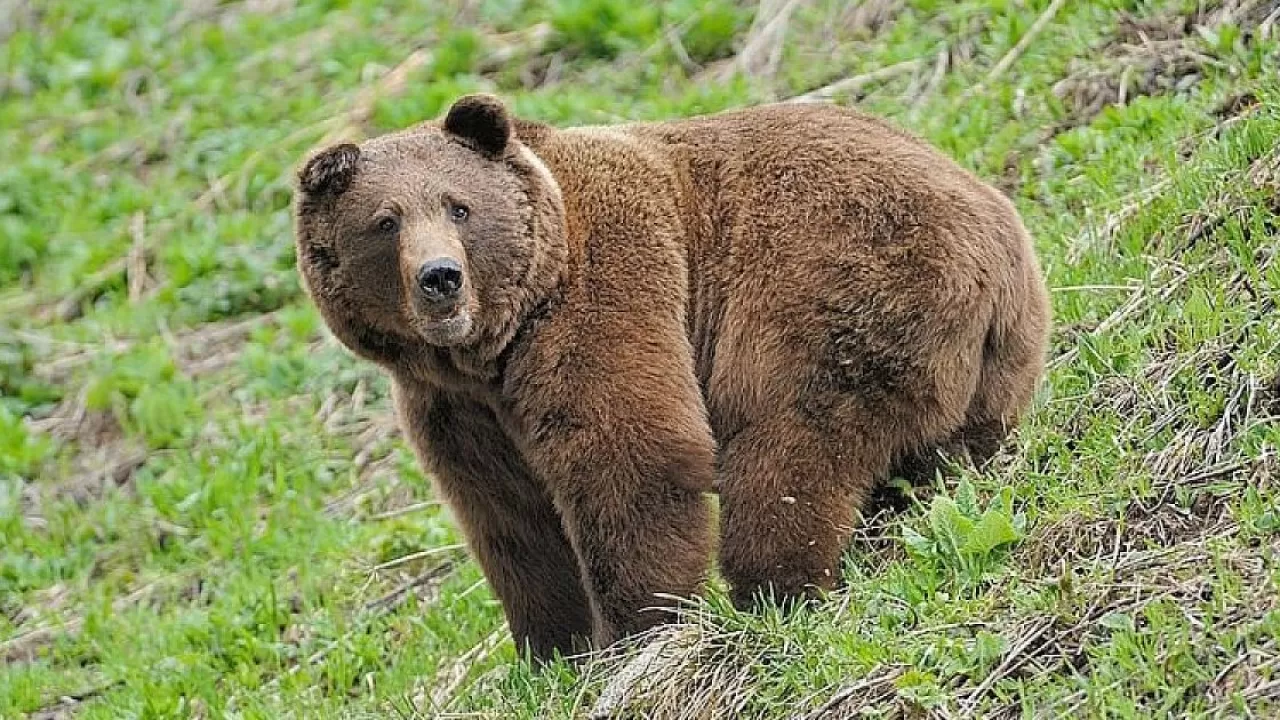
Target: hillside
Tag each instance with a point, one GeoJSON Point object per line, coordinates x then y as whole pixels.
{"type": "Point", "coordinates": [205, 507]}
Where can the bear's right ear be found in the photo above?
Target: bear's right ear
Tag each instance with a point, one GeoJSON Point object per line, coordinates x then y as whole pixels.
{"type": "Point", "coordinates": [329, 171]}
{"type": "Point", "coordinates": [482, 122]}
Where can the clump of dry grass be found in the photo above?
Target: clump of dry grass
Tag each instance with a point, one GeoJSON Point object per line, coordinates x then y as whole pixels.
{"type": "Point", "coordinates": [1155, 55]}
{"type": "Point", "coordinates": [1132, 71]}
{"type": "Point", "coordinates": [695, 669]}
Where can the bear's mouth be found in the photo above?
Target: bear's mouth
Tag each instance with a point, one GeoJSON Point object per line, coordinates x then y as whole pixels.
{"type": "Point", "coordinates": [451, 330]}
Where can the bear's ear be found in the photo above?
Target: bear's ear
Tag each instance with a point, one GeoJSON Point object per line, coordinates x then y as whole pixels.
{"type": "Point", "coordinates": [329, 171]}
{"type": "Point", "coordinates": [482, 121]}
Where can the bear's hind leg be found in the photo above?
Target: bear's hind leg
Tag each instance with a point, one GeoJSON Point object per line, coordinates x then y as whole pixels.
{"type": "Point", "coordinates": [810, 431]}
{"type": "Point", "coordinates": [789, 497]}
{"type": "Point", "coordinates": [1012, 363]}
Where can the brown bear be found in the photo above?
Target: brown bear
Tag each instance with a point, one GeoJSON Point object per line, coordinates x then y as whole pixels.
{"type": "Point", "coordinates": [589, 330]}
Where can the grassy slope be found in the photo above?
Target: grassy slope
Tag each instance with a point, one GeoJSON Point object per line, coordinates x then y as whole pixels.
{"type": "Point", "coordinates": [204, 510]}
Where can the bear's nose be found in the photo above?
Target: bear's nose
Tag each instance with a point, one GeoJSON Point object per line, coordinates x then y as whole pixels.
{"type": "Point", "coordinates": [440, 279]}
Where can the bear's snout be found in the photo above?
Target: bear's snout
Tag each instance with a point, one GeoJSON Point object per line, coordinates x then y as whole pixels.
{"type": "Point", "coordinates": [440, 302]}
{"type": "Point", "coordinates": [440, 280]}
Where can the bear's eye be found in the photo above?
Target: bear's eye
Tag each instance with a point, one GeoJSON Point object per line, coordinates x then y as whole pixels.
{"type": "Point", "coordinates": [459, 212]}
{"type": "Point", "coordinates": [388, 224]}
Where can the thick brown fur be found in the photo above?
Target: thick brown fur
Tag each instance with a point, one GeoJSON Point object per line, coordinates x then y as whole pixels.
{"type": "Point", "coordinates": [783, 304]}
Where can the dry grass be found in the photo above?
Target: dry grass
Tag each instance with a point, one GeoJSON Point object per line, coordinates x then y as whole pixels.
{"type": "Point", "coordinates": [1156, 55]}
{"type": "Point", "coordinates": [694, 670]}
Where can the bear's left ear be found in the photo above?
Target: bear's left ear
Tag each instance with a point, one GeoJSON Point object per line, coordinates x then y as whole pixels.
{"type": "Point", "coordinates": [482, 121]}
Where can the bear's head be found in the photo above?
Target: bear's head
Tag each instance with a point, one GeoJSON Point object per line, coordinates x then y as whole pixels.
{"type": "Point", "coordinates": [443, 235]}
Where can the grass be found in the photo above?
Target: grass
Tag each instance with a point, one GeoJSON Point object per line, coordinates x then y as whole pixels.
{"type": "Point", "coordinates": [206, 511]}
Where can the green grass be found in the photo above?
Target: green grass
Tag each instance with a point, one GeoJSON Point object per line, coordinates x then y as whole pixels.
{"type": "Point", "coordinates": [205, 510]}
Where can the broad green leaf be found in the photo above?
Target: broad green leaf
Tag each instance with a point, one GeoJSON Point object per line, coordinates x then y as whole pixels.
{"type": "Point", "coordinates": [947, 522]}
{"type": "Point", "coordinates": [993, 530]}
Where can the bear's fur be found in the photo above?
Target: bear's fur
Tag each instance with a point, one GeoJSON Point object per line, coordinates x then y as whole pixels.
{"type": "Point", "coordinates": [781, 304]}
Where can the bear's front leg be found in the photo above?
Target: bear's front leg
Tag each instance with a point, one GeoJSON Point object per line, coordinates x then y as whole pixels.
{"type": "Point", "coordinates": [507, 517]}
{"type": "Point", "coordinates": [619, 433]}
